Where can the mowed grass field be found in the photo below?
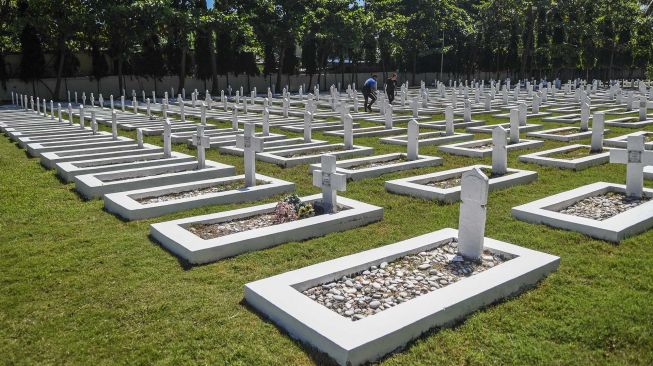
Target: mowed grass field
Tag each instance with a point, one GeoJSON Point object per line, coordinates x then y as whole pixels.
{"type": "Point", "coordinates": [79, 286]}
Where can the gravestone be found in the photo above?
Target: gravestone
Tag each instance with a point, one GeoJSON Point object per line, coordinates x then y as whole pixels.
{"type": "Point", "coordinates": [135, 104]}
{"type": "Point", "coordinates": [514, 126]}
{"type": "Point", "coordinates": [388, 117]}
{"type": "Point", "coordinates": [250, 145]}
{"type": "Point", "coordinates": [182, 110]}
{"type": "Point", "coordinates": [330, 182]}
{"type": "Point", "coordinates": [93, 122]}
{"type": "Point", "coordinates": [201, 143]}
{"type": "Point", "coordinates": [448, 120]}
{"type": "Point", "coordinates": [114, 125]}
{"type": "Point", "coordinates": [597, 132]}
{"type": "Point", "coordinates": [584, 117]}
{"type": "Point", "coordinates": [499, 151]}
{"type": "Point", "coordinates": [81, 117]}
{"type": "Point", "coordinates": [203, 114]}
{"type": "Point", "coordinates": [51, 109]}
{"type": "Point", "coordinates": [473, 212]}
{"type": "Point", "coordinates": [70, 114]}
{"type": "Point", "coordinates": [139, 138]}
{"type": "Point", "coordinates": [266, 122]}
{"type": "Point", "coordinates": [234, 117]}
{"type": "Point", "coordinates": [643, 110]}
{"type": "Point", "coordinates": [412, 140]}
{"type": "Point", "coordinates": [415, 107]}
{"type": "Point", "coordinates": [348, 131]}
{"type": "Point", "coordinates": [467, 111]}
{"type": "Point", "coordinates": [308, 118]}
{"type": "Point", "coordinates": [59, 112]}
{"type": "Point", "coordinates": [167, 140]}
{"type": "Point", "coordinates": [149, 108]}
{"type": "Point", "coordinates": [636, 157]}
{"type": "Point", "coordinates": [523, 113]}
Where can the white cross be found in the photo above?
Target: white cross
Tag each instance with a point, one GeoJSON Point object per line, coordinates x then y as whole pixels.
{"type": "Point", "coordinates": [250, 145]}
{"type": "Point", "coordinates": [234, 118]}
{"type": "Point", "coordinates": [597, 132]}
{"type": "Point", "coordinates": [81, 117]}
{"type": "Point", "coordinates": [266, 122]}
{"type": "Point", "coordinates": [93, 122]}
{"type": "Point", "coordinates": [202, 143]}
{"type": "Point", "coordinates": [514, 126]}
{"type": "Point", "coordinates": [330, 182]}
{"type": "Point", "coordinates": [636, 158]}
{"type": "Point", "coordinates": [388, 117]}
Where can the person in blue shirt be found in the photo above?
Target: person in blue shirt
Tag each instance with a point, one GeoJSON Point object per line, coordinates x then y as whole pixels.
{"type": "Point", "coordinates": [369, 92]}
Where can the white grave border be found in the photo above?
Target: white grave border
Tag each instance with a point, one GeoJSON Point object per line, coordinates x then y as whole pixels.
{"type": "Point", "coordinates": [280, 299]}
{"type": "Point", "coordinates": [614, 229]}
{"type": "Point", "coordinates": [541, 158]}
{"type": "Point", "coordinates": [415, 186]}
{"type": "Point", "coordinates": [173, 236]}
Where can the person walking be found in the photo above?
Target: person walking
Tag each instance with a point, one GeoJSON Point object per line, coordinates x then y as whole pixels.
{"type": "Point", "coordinates": [390, 87]}
{"type": "Point", "coordinates": [369, 92]}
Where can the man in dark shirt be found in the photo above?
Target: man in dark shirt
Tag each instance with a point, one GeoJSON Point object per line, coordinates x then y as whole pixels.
{"type": "Point", "coordinates": [390, 86]}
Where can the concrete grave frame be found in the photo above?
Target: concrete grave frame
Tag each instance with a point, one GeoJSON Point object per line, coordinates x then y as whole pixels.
{"type": "Point", "coordinates": [268, 146]}
{"type": "Point", "coordinates": [345, 166]}
{"type": "Point", "coordinates": [369, 131]}
{"type": "Point", "coordinates": [174, 236]}
{"type": "Point", "coordinates": [284, 158]}
{"type": "Point", "coordinates": [50, 159]}
{"type": "Point", "coordinates": [125, 204]}
{"type": "Point", "coordinates": [540, 158]}
{"type": "Point", "coordinates": [428, 138]}
{"type": "Point", "coordinates": [467, 148]}
{"type": "Point", "coordinates": [416, 187]}
{"type": "Point", "coordinates": [551, 134]}
{"type": "Point", "coordinates": [93, 186]}
{"type": "Point", "coordinates": [68, 170]}
{"type": "Point", "coordinates": [488, 128]}
{"type": "Point", "coordinates": [36, 149]}
{"type": "Point", "coordinates": [279, 298]}
{"type": "Point", "coordinates": [614, 229]}
{"type": "Point", "coordinates": [621, 141]}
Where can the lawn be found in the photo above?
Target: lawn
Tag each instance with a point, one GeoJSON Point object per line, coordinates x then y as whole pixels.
{"type": "Point", "coordinates": [80, 286]}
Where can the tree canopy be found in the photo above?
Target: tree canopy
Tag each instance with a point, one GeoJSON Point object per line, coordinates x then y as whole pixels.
{"type": "Point", "coordinates": [154, 38]}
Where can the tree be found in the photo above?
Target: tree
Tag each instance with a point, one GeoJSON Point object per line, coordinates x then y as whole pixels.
{"type": "Point", "coordinates": [32, 62]}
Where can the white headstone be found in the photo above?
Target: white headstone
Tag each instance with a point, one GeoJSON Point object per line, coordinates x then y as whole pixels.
{"type": "Point", "coordinates": [412, 140]}
{"type": "Point", "coordinates": [388, 117]}
{"type": "Point", "coordinates": [643, 108]}
{"type": "Point", "coordinates": [167, 140]}
{"type": "Point", "coordinates": [81, 117]}
{"type": "Point", "coordinates": [266, 122]}
{"type": "Point", "coordinates": [93, 122]}
{"type": "Point", "coordinates": [114, 125]}
{"type": "Point", "coordinates": [499, 151]}
{"type": "Point", "coordinates": [234, 117]}
{"type": "Point", "coordinates": [473, 213]}
{"type": "Point", "coordinates": [597, 132]}
{"type": "Point", "coordinates": [584, 116]}
{"type": "Point", "coordinates": [139, 137]}
{"type": "Point", "coordinates": [308, 119]}
{"type": "Point", "coordinates": [514, 126]}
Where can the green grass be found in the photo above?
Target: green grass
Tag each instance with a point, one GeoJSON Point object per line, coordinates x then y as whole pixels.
{"type": "Point", "coordinates": [80, 286]}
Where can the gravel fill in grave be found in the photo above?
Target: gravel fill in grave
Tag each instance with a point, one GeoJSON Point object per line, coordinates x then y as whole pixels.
{"type": "Point", "coordinates": [566, 132]}
{"type": "Point", "coordinates": [581, 152]}
{"type": "Point", "coordinates": [131, 177]}
{"type": "Point", "coordinates": [381, 287]}
{"type": "Point", "coordinates": [103, 163]}
{"type": "Point", "coordinates": [315, 152]}
{"type": "Point", "coordinates": [489, 145]}
{"type": "Point", "coordinates": [603, 207]}
{"type": "Point", "coordinates": [400, 159]}
{"type": "Point", "coordinates": [455, 181]}
{"type": "Point", "coordinates": [195, 192]}
{"type": "Point", "coordinates": [212, 231]}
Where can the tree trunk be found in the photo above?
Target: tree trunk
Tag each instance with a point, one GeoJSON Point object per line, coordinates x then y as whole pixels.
{"type": "Point", "coordinates": [414, 68]}
{"type": "Point", "coordinates": [310, 81]}
{"type": "Point", "coordinates": [612, 51]}
{"type": "Point", "coordinates": [182, 70]}
{"type": "Point", "coordinates": [214, 69]}
{"type": "Point", "coordinates": [282, 53]}
{"type": "Point", "coordinates": [55, 93]}
{"type": "Point", "coordinates": [120, 81]}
